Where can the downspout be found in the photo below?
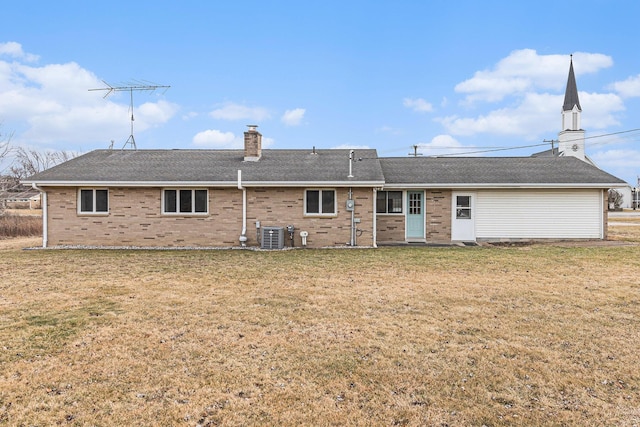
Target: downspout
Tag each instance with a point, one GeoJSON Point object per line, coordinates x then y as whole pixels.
{"type": "Point", "coordinates": [243, 236]}
{"type": "Point", "coordinates": [352, 241]}
{"type": "Point", "coordinates": [45, 219]}
{"type": "Point", "coordinates": [375, 217]}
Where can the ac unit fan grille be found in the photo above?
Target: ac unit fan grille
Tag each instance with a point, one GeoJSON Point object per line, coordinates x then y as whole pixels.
{"type": "Point", "coordinates": [272, 238]}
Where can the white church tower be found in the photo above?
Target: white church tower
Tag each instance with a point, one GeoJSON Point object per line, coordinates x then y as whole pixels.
{"type": "Point", "coordinates": [571, 137]}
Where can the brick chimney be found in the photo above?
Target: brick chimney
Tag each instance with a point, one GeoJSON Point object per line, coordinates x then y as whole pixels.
{"type": "Point", "coordinates": [252, 144]}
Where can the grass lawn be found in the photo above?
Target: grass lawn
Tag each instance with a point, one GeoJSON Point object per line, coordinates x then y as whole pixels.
{"type": "Point", "coordinates": [512, 335]}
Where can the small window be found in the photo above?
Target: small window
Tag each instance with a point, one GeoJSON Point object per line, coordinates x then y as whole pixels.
{"type": "Point", "coordinates": [185, 201]}
{"type": "Point", "coordinates": [93, 201]}
{"type": "Point", "coordinates": [389, 202]}
{"type": "Point", "coordinates": [320, 202]}
{"type": "Point", "coordinates": [463, 207]}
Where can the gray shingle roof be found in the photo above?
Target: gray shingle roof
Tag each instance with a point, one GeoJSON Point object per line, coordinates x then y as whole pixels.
{"type": "Point", "coordinates": [219, 166]}
{"type": "Point", "coordinates": [455, 171]}
{"type": "Point", "coordinates": [330, 167]}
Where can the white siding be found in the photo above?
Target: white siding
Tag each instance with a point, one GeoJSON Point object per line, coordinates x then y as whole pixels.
{"type": "Point", "coordinates": [543, 214]}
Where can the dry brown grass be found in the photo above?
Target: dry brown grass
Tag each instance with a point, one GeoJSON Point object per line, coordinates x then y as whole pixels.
{"type": "Point", "coordinates": [528, 335]}
{"type": "Point", "coordinates": [13, 225]}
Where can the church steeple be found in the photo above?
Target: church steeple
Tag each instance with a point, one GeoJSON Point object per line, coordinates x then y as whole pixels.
{"type": "Point", "coordinates": [571, 136]}
{"type": "Point", "coordinates": [571, 93]}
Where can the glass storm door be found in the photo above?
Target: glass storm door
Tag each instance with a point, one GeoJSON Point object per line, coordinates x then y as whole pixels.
{"type": "Point", "coordinates": [415, 215]}
{"type": "Point", "coordinates": [463, 223]}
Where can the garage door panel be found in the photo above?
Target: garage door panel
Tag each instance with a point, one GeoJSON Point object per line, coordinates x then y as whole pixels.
{"type": "Point", "coordinates": [539, 214]}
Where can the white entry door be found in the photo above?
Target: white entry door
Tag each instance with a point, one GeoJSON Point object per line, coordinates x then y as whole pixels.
{"type": "Point", "coordinates": [463, 221]}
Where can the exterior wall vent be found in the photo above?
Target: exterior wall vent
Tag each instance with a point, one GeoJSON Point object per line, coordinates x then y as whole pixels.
{"type": "Point", "coordinates": [272, 238]}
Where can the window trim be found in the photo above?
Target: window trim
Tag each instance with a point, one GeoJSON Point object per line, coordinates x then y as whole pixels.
{"type": "Point", "coordinates": [94, 191]}
{"type": "Point", "coordinates": [193, 202]}
{"type": "Point", "coordinates": [461, 208]}
{"type": "Point", "coordinates": [386, 212]}
{"type": "Point", "coordinates": [320, 191]}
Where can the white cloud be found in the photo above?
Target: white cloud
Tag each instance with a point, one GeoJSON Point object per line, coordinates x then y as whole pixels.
{"type": "Point", "coordinates": [598, 109]}
{"type": "Point", "coordinates": [233, 111]}
{"type": "Point", "coordinates": [216, 139]}
{"type": "Point", "coordinates": [440, 145]}
{"type": "Point", "coordinates": [155, 113]}
{"type": "Point", "coordinates": [52, 103]}
{"type": "Point", "coordinates": [524, 71]}
{"type": "Point", "coordinates": [627, 88]}
{"type": "Point", "coordinates": [14, 50]}
{"type": "Point", "coordinates": [213, 138]}
{"type": "Point", "coordinates": [293, 117]}
{"type": "Point", "coordinates": [418, 105]}
{"type": "Point", "coordinates": [536, 115]}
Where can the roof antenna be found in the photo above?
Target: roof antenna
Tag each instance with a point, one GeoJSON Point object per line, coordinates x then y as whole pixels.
{"type": "Point", "coordinates": [415, 151]}
{"type": "Point", "coordinates": [138, 86]}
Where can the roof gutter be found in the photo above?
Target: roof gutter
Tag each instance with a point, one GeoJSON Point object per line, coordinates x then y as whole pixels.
{"type": "Point", "coordinates": [45, 216]}
{"type": "Point", "coordinates": [204, 184]}
{"type": "Point", "coordinates": [502, 186]}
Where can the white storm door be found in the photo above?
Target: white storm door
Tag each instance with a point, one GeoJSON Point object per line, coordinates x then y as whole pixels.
{"type": "Point", "coordinates": [463, 221]}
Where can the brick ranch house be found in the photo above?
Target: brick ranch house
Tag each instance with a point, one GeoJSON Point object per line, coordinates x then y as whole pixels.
{"type": "Point", "coordinates": [205, 198]}
{"type": "Point", "coordinates": [213, 198]}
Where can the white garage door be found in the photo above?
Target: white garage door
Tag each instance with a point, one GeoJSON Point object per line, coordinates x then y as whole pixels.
{"type": "Point", "coordinates": [543, 214]}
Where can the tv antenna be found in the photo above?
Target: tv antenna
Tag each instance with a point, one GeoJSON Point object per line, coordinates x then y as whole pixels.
{"type": "Point", "coordinates": [132, 87]}
{"type": "Point", "coordinates": [415, 151]}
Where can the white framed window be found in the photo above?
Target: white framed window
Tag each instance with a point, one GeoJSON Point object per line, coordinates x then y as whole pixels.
{"type": "Point", "coordinates": [389, 202]}
{"type": "Point", "coordinates": [93, 201]}
{"type": "Point", "coordinates": [185, 201]}
{"type": "Point", "coordinates": [320, 202]}
{"type": "Point", "coordinates": [463, 207]}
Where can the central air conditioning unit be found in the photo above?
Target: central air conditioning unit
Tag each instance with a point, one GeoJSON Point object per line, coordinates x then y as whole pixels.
{"type": "Point", "coordinates": [272, 238]}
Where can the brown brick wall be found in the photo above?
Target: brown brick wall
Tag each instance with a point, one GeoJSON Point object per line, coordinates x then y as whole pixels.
{"type": "Point", "coordinates": [438, 218]}
{"type": "Point", "coordinates": [135, 219]}
{"type": "Point", "coordinates": [391, 228]}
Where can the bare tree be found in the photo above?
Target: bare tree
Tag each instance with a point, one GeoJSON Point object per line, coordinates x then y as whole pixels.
{"type": "Point", "coordinates": [29, 162]}
{"type": "Point", "coordinates": [615, 199]}
{"type": "Point", "coordinates": [18, 163]}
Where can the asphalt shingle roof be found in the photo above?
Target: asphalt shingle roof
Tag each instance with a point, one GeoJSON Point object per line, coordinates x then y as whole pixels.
{"type": "Point", "coordinates": [493, 170]}
{"type": "Point", "coordinates": [302, 167]}
{"type": "Point", "coordinates": [286, 166]}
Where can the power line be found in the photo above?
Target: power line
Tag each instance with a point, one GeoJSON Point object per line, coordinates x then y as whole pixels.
{"type": "Point", "coordinates": [492, 150]}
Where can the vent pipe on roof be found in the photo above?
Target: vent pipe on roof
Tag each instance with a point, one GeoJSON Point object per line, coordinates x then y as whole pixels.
{"type": "Point", "coordinates": [351, 157]}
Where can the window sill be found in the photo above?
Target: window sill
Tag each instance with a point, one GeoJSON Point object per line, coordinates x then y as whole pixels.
{"type": "Point", "coordinates": [315, 215]}
{"type": "Point", "coordinates": [185, 214]}
{"type": "Point", "coordinates": [93, 213]}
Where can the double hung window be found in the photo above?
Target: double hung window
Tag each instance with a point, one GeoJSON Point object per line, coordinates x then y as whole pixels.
{"type": "Point", "coordinates": [93, 201]}
{"type": "Point", "coordinates": [185, 201]}
{"type": "Point", "coordinates": [320, 202]}
{"type": "Point", "coordinates": [388, 202]}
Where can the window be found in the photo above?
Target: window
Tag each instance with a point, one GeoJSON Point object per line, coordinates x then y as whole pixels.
{"type": "Point", "coordinates": [320, 202]}
{"type": "Point", "coordinates": [389, 202]}
{"type": "Point", "coordinates": [463, 207]}
{"type": "Point", "coordinates": [93, 201]}
{"type": "Point", "coordinates": [185, 202]}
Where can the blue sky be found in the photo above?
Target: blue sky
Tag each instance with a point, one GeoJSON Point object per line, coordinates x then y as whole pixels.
{"type": "Point", "coordinates": [450, 77]}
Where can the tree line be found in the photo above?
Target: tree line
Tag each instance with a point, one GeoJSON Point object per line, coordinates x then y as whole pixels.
{"type": "Point", "coordinates": [18, 163]}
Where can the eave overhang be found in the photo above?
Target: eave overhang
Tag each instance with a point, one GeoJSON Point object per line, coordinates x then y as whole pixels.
{"type": "Point", "coordinates": [492, 186]}
{"type": "Point", "coordinates": [191, 184]}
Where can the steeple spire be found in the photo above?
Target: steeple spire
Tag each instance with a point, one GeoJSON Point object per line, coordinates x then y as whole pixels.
{"type": "Point", "coordinates": [571, 94]}
{"type": "Point", "coordinates": [571, 137]}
